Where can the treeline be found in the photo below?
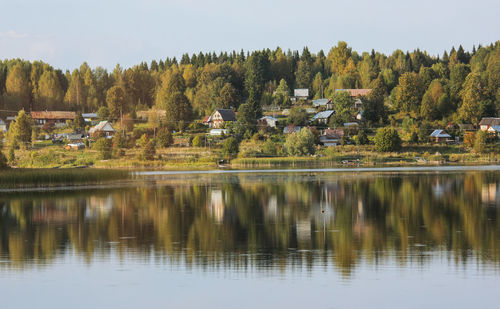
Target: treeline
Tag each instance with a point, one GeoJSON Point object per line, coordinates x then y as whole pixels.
{"type": "Point", "coordinates": [458, 86]}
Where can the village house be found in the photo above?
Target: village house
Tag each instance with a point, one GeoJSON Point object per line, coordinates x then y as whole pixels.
{"type": "Point", "coordinates": [440, 136]}
{"type": "Point", "coordinates": [300, 94]}
{"type": "Point", "coordinates": [267, 121]}
{"type": "Point", "coordinates": [3, 126]}
{"type": "Point", "coordinates": [58, 118]}
{"type": "Point", "coordinates": [221, 116]}
{"type": "Point", "coordinates": [89, 117]}
{"type": "Point", "coordinates": [291, 128]}
{"type": "Point", "coordinates": [331, 137]}
{"type": "Point", "coordinates": [326, 103]}
{"type": "Point", "coordinates": [322, 117]}
{"type": "Point", "coordinates": [103, 128]}
{"type": "Point", "coordinates": [489, 123]}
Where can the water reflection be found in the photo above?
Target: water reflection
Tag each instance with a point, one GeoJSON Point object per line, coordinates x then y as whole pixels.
{"type": "Point", "coordinates": [275, 221]}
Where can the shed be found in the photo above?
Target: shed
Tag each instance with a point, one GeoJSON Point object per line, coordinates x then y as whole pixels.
{"type": "Point", "coordinates": [439, 136]}
{"type": "Point", "coordinates": [102, 128]}
{"type": "Point", "coordinates": [322, 117]}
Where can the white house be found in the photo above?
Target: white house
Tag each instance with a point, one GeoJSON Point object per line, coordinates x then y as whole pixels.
{"type": "Point", "coordinates": [104, 127]}
{"type": "Point", "coordinates": [268, 121]}
{"type": "Point", "coordinates": [322, 117]}
{"type": "Point", "coordinates": [300, 94]}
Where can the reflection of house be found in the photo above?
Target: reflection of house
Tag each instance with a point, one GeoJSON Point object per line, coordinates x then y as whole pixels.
{"type": "Point", "coordinates": [59, 118]}
{"type": "Point", "coordinates": [322, 117]}
{"type": "Point", "coordinates": [489, 193]}
{"type": "Point", "coordinates": [221, 116]}
{"type": "Point", "coordinates": [104, 128]}
{"type": "Point", "coordinates": [216, 206]}
{"type": "Point", "coordinates": [331, 137]}
{"type": "Point", "coordinates": [303, 228]}
{"type": "Point", "coordinates": [267, 121]}
{"type": "Point", "coordinates": [439, 136]}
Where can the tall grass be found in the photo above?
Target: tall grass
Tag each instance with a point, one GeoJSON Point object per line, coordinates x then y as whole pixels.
{"type": "Point", "coordinates": [22, 178]}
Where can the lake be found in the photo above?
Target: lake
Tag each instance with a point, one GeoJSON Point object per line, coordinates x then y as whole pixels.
{"type": "Point", "coordinates": [310, 238]}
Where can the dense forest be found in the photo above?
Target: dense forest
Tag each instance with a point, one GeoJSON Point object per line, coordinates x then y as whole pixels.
{"type": "Point", "coordinates": [458, 86]}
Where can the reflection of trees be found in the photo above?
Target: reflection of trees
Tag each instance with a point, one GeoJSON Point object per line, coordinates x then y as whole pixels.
{"type": "Point", "coordinates": [271, 221]}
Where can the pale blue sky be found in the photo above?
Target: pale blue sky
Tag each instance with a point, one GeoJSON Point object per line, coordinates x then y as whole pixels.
{"type": "Point", "coordinates": [65, 33]}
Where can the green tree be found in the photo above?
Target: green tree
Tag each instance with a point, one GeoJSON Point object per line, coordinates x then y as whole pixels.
{"type": "Point", "coordinates": [480, 142]}
{"type": "Point", "coordinates": [104, 148]}
{"type": "Point", "coordinates": [20, 129]}
{"type": "Point", "coordinates": [18, 87]}
{"type": "Point", "coordinates": [409, 94]}
{"type": "Point", "coordinates": [300, 143]}
{"type": "Point", "coordinates": [303, 75]}
{"type": "Point", "coordinates": [343, 106]}
{"type": "Point", "coordinates": [164, 138]}
{"type": "Point", "coordinates": [269, 148]}
{"type": "Point", "coordinates": [49, 94]}
{"type": "Point", "coordinates": [171, 98]}
{"type": "Point", "coordinates": [230, 148]}
{"type": "Point", "coordinates": [387, 139]}
{"type": "Point", "coordinates": [103, 113]}
{"type": "Point", "coordinates": [197, 141]}
{"type": "Point", "coordinates": [228, 96]}
{"type": "Point", "coordinates": [149, 150]}
{"type": "Point", "coordinates": [472, 99]}
{"type": "Point", "coordinates": [116, 101]}
{"type": "Point", "coordinates": [297, 116]}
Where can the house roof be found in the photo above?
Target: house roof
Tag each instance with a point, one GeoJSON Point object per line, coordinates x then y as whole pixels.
{"type": "Point", "coordinates": [53, 115]}
{"type": "Point", "coordinates": [268, 118]}
{"type": "Point", "coordinates": [494, 128]}
{"type": "Point", "coordinates": [1, 121]}
{"type": "Point", "coordinates": [440, 133]}
{"type": "Point", "coordinates": [333, 133]}
{"type": "Point", "coordinates": [89, 115]}
{"type": "Point", "coordinates": [490, 121]}
{"type": "Point", "coordinates": [351, 124]}
{"type": "Point", "coordinates": [320, 102]}
{"type": "Point", "coordinates": [356, 92]}
{"type": "Point", "coordinates": [102, 126]}
{"type": "Point", "coordinates": [227, 114]}
{"type": "Point", "coordinates": [301, 92]}
{"type": "Point", "coordinates": [322, 115]}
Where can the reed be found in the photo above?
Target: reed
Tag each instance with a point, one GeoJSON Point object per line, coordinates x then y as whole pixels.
{"type": "Point", "coordinates": [21, 178]}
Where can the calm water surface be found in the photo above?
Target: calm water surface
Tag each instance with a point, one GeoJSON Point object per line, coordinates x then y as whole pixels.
{"type": "Point", "coordinates": [334, 239]}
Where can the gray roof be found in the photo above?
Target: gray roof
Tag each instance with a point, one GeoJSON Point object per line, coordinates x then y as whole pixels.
{"type": "Point", "coordinates": [490, 121]}
{"type": "Point", "coordinates": [322, 115]}
{"type": "Point", "coordinates": [301, 92]}
{"type": "Point", "coordinates": [440, 133]}
{"type": "Point", "coordinates": [227, 114]}
{"type": "Point", "coordinates": [320, 102]}
{"type": "Point", "coordinates": [291, 129]}
{"type": "Point", "coordinates": [89, 115]}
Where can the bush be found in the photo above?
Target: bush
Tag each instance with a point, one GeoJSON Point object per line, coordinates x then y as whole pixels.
{"type": "Point", "coordinates": [269, 148]}
{"type": "Point", "coordinates": [197, 141]}
{"type": "Point", "coordinates": [104, 148]}
{"type": "Point", "coordinates": [164, 138]}
{"type": "Point", "coordinates": [149, 151]}
{"type": "Point", "coordinates": [480, 142]}
{"type": "Point", "coordinates": [362, 138]}
{"type": "Point", "coordinates": [3, 161]}
{"type": "Point", "coordinates": [469, 139]}
{"type": "Point", "coordinates": [387, 139]}
{"type": "Point", "coordinates": [300, 143]}
{"type": "Point", "coordinates": [230, 148]}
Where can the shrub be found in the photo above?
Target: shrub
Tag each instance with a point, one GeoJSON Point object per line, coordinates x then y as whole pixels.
{"type": "Point", "coordinates": [197, 141]}
{"type": "Point", "coordinates": [149, 150]}
{"type": "Point", "coordinates": [269, 148]}
{"type": "Point", "coordinates": [164, 137]}
{"type": "Point", "coordinates": [3, 161]}
{"type": "Point", "coordinates": [300, 143]}
{"type": "Point", "coordinates": [104, 148]}
{"type": "Point", "coordinates": [230, 148]}
{"type": "Point", "coordinates": [387, 139]}
{"type": "Point", "coordinates": [362, 138]}
{"type": "Point", "coordinates": [469, 139]}
{"type": "Point", "coordinates": [480, 142]}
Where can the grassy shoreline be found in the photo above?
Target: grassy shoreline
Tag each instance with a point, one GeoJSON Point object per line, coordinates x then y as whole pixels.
{"type": "Point", "coordinates": [32, 178]}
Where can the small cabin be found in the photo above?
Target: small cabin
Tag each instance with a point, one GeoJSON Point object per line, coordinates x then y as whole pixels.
{"type": "Point", "coordinates": [103, 128]}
